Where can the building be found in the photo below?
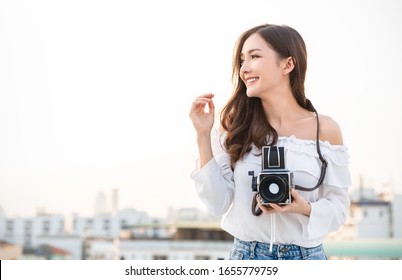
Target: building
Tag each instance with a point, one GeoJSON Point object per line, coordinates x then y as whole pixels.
{"type": "Point", "coordinates": [373, 230]}
{"type": "Point", "coordinates": [100, 204]}
{"type": "Point", "coordinates": [64, 246]}
{"type": "Point", "coordinates": [188, 240]}
{"type": "Point", "coordinates": [109, 226]}
{"type": "Point", "coordinates": [374, 217]}
{"type": "Point", "coordinates": [25, 231]}
{"type": "Point", "coordinates": [396, 217]}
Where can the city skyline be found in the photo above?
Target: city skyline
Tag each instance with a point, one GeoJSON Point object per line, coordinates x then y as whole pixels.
{"type": "Point", "coordinates": [95, 96]}
{"type": "Point", "coordinates": [103, 203]}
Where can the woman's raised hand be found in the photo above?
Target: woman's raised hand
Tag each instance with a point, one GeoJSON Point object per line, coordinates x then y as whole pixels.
{"type": "Point", "coordinates": [202, 113]}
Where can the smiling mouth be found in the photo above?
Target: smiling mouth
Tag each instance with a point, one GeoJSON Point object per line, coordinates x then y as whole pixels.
{"type": "Point", "coordinates": [249, 81]}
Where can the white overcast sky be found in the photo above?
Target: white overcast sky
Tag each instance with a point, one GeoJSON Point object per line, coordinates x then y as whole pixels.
{"type": "Point", "coordinates": [95, 95]}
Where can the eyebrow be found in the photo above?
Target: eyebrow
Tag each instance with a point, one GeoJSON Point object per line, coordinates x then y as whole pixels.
{"type": "Point", "coordinates": [252, 50]}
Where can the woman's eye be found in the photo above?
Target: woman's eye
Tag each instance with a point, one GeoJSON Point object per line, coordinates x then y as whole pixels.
{"type": "Point", "coordinates": [253, 56]}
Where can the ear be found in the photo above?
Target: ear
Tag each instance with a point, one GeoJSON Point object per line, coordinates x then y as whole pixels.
{"type": "Point", "coordinates": [288, 65]}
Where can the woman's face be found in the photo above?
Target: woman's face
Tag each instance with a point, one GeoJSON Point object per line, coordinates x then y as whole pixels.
{"type": "Point", "coordinates": [261, 69]}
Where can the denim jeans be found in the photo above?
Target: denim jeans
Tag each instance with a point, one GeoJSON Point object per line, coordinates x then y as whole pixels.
{"type": "Point", "coordinates": [253, 250]}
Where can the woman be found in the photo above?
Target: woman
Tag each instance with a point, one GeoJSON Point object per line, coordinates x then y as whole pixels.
{"type": "Point", "coordinates": [269, 108]}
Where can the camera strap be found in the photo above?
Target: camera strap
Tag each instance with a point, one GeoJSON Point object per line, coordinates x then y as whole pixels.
{"type": "Point", "coordinates": [324, 163]}
{"type": "Point", "coordinates": [254, 205]}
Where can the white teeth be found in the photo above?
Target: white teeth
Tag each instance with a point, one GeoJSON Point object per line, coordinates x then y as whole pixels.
{"type": "Point", "coordinates": [251, 80]}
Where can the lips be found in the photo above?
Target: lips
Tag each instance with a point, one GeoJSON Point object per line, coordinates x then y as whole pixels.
{"type": "Point", "coordinates": [251, 80]}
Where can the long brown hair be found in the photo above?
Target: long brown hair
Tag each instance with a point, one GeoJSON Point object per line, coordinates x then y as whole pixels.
{"type": "Point", "coordinates": [243, 117]}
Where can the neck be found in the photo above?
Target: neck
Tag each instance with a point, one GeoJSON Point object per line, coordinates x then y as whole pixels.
{"type": "Point", "coordinates": [282, 108]}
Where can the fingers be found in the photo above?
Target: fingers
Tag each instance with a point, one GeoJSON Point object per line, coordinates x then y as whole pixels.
{"type": "Point", "coordinates": [201, 101]}
{"type": "Point", "coordinates": [277, 208]}
{"type": "Point", "coordinates": [267, 209]}
{"type": "Point", "coordinates": [202, 113]}
{"type": "Point", "coordinates": [204, 99]}
{"type": "Point", "coordinates": [272, 207]}
{"type": "Point", "coordinates": [295, 194]}
{"type": "Point", "coordinates": [298, 205]}
{"type": "Point", "coordinates": [206, 95]}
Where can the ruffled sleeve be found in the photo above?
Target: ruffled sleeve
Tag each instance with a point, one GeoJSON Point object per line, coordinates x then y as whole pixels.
{"type": "Point", "coordinates": [330, 204]}
{"type": "Point", "coordinates": [214, 181]}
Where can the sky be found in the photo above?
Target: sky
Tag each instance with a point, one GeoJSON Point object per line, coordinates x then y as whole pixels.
{"type": "Point", "coordinates": [95, 95]}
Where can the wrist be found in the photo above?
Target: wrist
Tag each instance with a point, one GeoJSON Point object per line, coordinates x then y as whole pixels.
{"type": "Point", "coordinates": [204, 136]}
{"type": "Point", "coordinates": [307, 209]}
{"type": "Point", "coordinates": [204, 147]}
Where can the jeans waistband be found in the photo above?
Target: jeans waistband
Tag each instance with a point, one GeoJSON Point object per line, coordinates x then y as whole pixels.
{"type": "Point", "coordinates": [281, 250]}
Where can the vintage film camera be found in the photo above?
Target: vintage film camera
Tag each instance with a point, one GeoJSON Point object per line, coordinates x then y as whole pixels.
{"type": "Point", "coordinates": [274, 184]}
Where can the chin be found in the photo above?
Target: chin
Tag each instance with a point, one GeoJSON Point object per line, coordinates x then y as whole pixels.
{"type": "Point", "coordinates": [251, 93]}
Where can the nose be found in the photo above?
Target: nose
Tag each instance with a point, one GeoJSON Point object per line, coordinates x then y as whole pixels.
{"type": "Point", "coordinates": [244, 68]}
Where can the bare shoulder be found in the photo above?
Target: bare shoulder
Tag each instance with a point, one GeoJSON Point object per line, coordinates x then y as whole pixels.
{"type": "Point", "coordinates": [330, 130]}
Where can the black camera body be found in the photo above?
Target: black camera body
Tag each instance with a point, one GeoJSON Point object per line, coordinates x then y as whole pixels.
{"type": "Point", "coordinates": [274, 184]}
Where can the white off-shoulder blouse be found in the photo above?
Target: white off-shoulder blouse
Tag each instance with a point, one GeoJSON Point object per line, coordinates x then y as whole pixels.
{"type": "Point", "coordinates": [228, 193]}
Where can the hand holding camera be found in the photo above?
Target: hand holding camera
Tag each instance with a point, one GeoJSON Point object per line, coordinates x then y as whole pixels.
{"type": "Point", "coordinates": [298, 205]}
{"type": "Point", "coordinates": [274, 187]}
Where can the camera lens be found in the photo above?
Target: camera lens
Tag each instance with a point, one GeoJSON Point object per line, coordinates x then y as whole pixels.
{"type": "Point", "coordinates": [273, 189]}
